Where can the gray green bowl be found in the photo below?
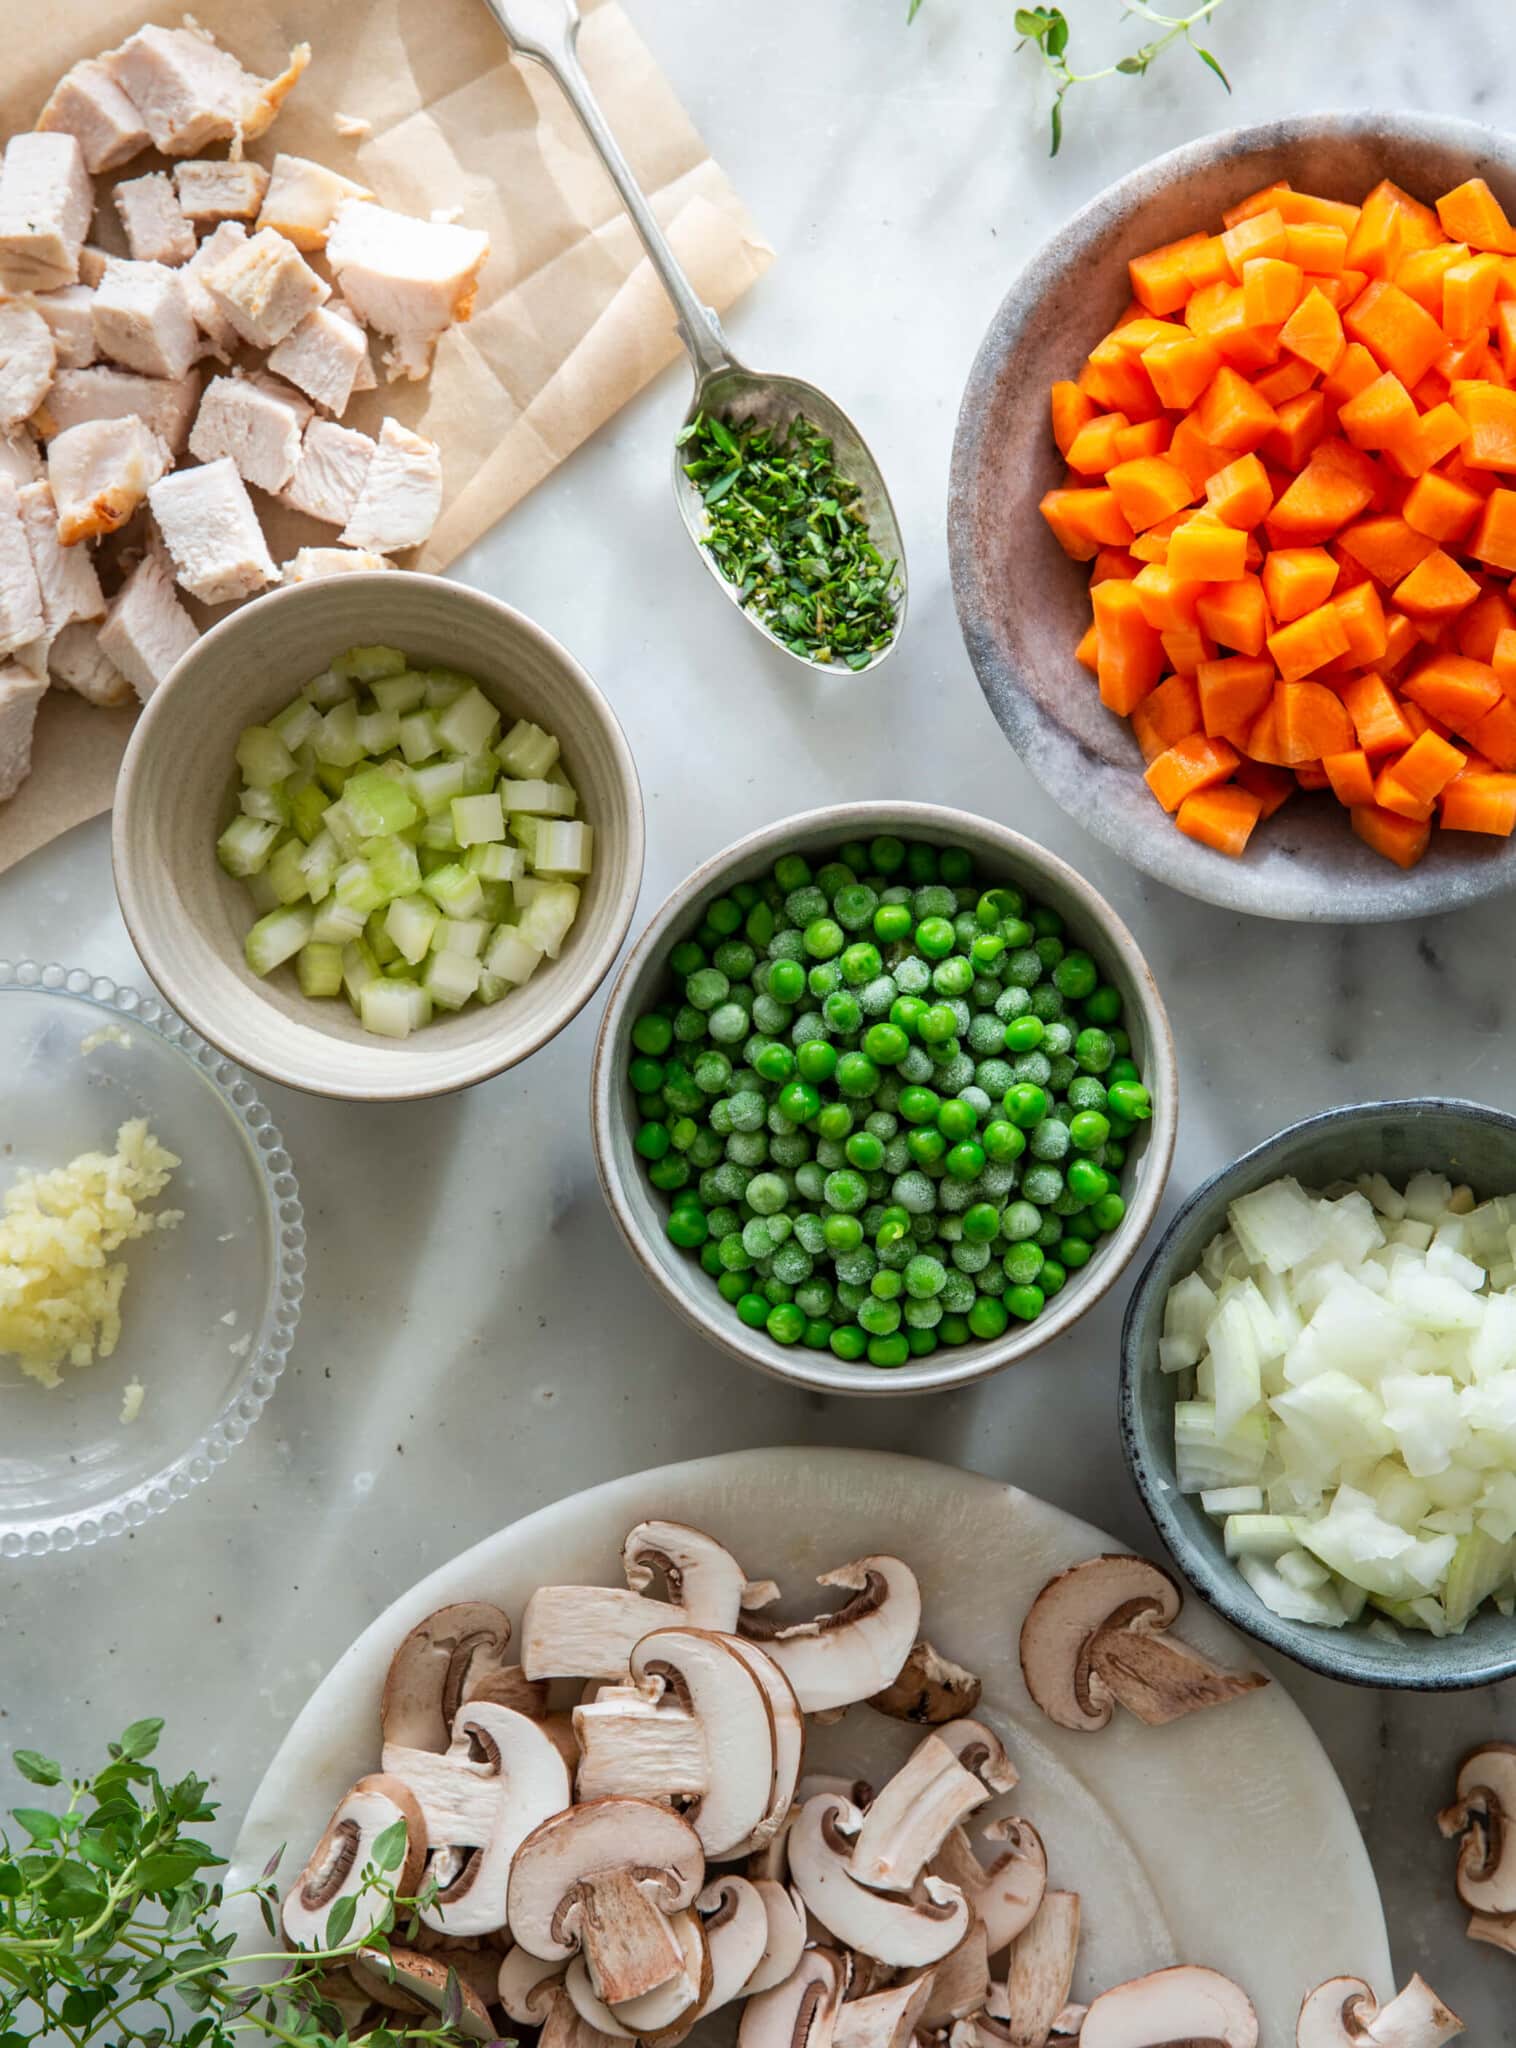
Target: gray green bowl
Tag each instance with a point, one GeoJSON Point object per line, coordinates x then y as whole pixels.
{"type": "Point", "coordinates": [1465, 1140]}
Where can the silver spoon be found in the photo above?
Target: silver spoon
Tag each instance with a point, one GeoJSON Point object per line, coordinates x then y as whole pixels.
{"type": "Point", "coordinates": [548, 32]}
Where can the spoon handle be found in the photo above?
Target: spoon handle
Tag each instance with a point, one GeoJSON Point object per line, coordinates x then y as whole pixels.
{"type": "Point", "coordinates": [547, 31]}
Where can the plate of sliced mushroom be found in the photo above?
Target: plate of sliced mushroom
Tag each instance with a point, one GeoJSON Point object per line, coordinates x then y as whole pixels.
{"type": "Point", "coordinates": [995, 1788]}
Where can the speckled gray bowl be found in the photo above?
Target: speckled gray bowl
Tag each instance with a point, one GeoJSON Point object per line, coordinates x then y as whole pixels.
{"type": "Point", "coordinates": [1466, 1140]}
{"type": "Point", "coordinates": [1023, 604]}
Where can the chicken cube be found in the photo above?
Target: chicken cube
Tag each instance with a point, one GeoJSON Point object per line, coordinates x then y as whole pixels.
{"type": "Point", "coordinates": [165, 404]}
{"type": "Point", "coordinates": [100, 471]}
{"type": "Point", "coordinates": [190, 92]}
{"type": "Point", "coordinates": [20, 457]}
{"type": "Point", "coordinates": [46, 205]}
{"type": "Point", "coordinates": [75, 662]}
{"type": "Point", "coordinates": [252, 427]}
{"type": "Point", "coordinates": [401, 495]}
{"type": "Point", "coordinates": [264, 287]}
{"type": "Point", "coordinates": [329, 475]}
{"type": "Point", "coordinates": [20, 694]}
{"type": "Point", "coordinates": [27, 360]}
{"type": "Point", "coordinates": [303, 198]}
{"type": "Point", "coordinates": [70, 315]}
{"type": "Point", "coordinates": [156, 229]}
{"type": "Point", "coordinates": [365, 380]}
{"type": "Point", "coordinates": [221, 337]}
{"type": "Point", "coordinates": [410, 279]}
{"type": "Point", "coordinates": [147, 629]}
{"type": "Point", "coordinates": [20, 600]}
{"type": "Point", "coordinates": [66, 581]}
{"type": "Point", "coordinates": [211, 530]}
{"type": "Point", "coordinates": [286, 394]}
{"type": "Point", "coordinates": [323, 356]}
{"type": "Point", "coordinates": [142, 319]}
{"type": "Point", "coordinates": [211, 191]}
{"type": "Point", "coordinates": [311, 564]}
{"type": "Point", "coordinates": [88, 104]}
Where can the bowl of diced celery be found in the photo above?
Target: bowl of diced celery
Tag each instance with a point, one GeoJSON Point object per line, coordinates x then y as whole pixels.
{"type": "Point", "coordinates": [378, 837]}
{"type": "Point", "coordinates": [1318, 1399]}
{"type": "Point", "coordinates": [884, 1098]}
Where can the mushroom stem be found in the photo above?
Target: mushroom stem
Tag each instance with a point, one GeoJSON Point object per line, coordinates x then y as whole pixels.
{"type": "Point", "coordinates": [1041, 1970]}
{"type": "Point", "coordinates": [1158, 1680]}
{"type": "Point", "coordinates": [628, 1942]}
{"type": "Point", "coordinates": [1415, 2018]}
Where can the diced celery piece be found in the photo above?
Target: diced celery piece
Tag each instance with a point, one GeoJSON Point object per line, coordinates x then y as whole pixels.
{"type": "Point", "coordinates": [263, 757]}
{"type": "Point", "coordinates": [286, 872]}
{"type": "Point", "coordinates": [491, 988]}
{"type": "Point", "coordinates": [563, 847]}
{"type": "Point", "coordinates": [437, 834]}
{"type": "Point", "coordinates": [527, 751]}
{"type": "Point", "coordinates": [319, 969]}
{"type": "Point", "coordinates": [308, 803]}
{"type": "Point", "coordinates": [379, 731]}
{"type": "Point", "coordinates": [411, 922]}
{"type": "Point", "coordinates": [480, 774]}
{"type": "Point", "coordinates": [571, 795]}
{"type": "Point", "coordinates": [386, 952]}
{"type": "Point", "coordinates": [393, 865]}
{"type": "Point", "coordinates": [524, 832]}
{"type": "Point", "coordinates": [499, 905]}
{"type": "Point", "coordinates": [477, 820]}
{"type": "Point", "coordinates": [336, 922]}
{"type": "Point", "coordinates": [338, 743]}
{"type": "Point", "coordinates": [327, 689]}
{"type": "Point", "coordinates": [359, 968]}
{"type": "Point", "coordinates": [546, 918]}
{"type": "Point", "coordinates": [419, 737]}
{"type": "Point", "coordinates": [470, 723]}
{"type": "Point", "coordinates": [436, 785]}
{"type": "Point", "coordinates": [319, 864]}
{"type": "Point", "coordinates": [377, 804]}
{"type": "Point", "coordinates": [511, 957]}
{"type": "Point", "coordinates": [401, 693]}
{"type": "Point", "coordinates": [356, 888]}
{"type": "Point", "coordinates": [332, 777]}
{"type": "Point", "coordinates": [336, 821]}
{"type": "Point", "coordinates": [451, 979]}
{"type": "Point", "coordinates": [278, 937]}
{"type": "Point", "coordinates": [364, 664]}
{"type": "Point", "coordinates": [542, 799]}
{"type": "Point", "coordinates": [260, 892]}
{"type": "Point", "coordinates": [445, 686]}
{"type": "Point", "coordinates": [298, 722]}
{"type": "Point", "coordinates": [272, 805]}
{"type": "Point", "coordinates": [454, 890]}
{"type": "Point", "coordinates": [461, 935]}
{"type": "Point", "coordinates": [244, 847]}
{"type": "Point", "coordinates": [393, 1009]}
{"type": "Point", "coordinates": [494, 863]}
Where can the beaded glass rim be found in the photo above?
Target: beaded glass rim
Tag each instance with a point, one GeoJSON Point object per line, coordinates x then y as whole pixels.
{"type": "Point", "coordinates": [269, 1352]}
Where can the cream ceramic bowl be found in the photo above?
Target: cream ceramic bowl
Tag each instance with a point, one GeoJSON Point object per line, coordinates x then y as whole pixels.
{"type": "Point", "coordinates": [188, 920]}
{"type": "Point", "coordinates": [642, 1212]}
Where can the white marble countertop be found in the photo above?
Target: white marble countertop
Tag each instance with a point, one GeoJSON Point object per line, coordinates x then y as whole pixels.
{"type": "Point", "coordinates": [476, 1340]}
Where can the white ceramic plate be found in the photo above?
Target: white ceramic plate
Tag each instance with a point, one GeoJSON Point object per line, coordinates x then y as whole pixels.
{"type": "Point", "coordinates": [1224, 1839]}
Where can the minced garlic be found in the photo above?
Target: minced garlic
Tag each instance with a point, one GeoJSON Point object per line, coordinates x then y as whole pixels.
{"type": "Point", "coordinates": [60, 1293]}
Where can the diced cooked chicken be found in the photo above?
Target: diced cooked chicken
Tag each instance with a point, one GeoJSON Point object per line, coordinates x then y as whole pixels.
{"type": "Point", "coordinates": [286, 394]}
{"type": "Point", "coordinates": [401, 495]}
{"type": "Point", "coordinates": [20, 694]}
{"type": "Point", "coordinates": [20, 457]}
{"type": "Point", "coordinates": [92, 262]}
{"type": "Point", "coordinates": [264, 287]}
{"type": "Point", "coordinates": [410, 279]}
{"type": "Point", "coordinates": [27, 360]}
{"type": "Point", "coordinates": [210, 528]}
{"type": "Point", "coordinates": [220, 335]}
{"type": "Point", "coordinates": [142, 319]}
{"type": "Point", "coordinates": [76, 662]}
{"type": "Point", "coordinates": [20, 599]}
{"type": "Point", "coordinates": [147, 629]}
{"type": "Point", "coordinates": [323, 356]}
{"type": "Point", "coordinates": [87, 103]}
{"type": "Point", "coordinates": [100, 471]}
{"type": "Point", "coordinates": [250, 425]}
{"type": "Point", "coordinates": [70, 314]}
{"type": "Point", "coordinates": [303, 198]}
{"type": "Point", "coordinates": [329, 475]}
{"type": "Point", "coordinates": [365, 379]}
{"type": "Point", "coordinates": [165, 404]}
{"type": "Point", "coordinates": [311, 564]}
{"type": "Point", "coordinates": [156, 228]}
{"type": "Point", "coordinates": [210, 190]}
{"type": "Point", "coordinates": [46, 205]}
{"type": "Point", "coordinates": [66, 581]}
{"type": "Point", "coordinates": [190, 92]}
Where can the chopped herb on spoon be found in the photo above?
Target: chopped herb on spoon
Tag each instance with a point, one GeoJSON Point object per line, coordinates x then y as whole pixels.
{"type": "Point", "coordinates": [789, 532]}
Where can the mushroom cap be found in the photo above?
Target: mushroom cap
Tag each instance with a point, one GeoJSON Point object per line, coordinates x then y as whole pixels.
{"type": "Point", "coordinates": [524, 1978]}
{"type": "Point", "coordinates": [1112, 1591]}
{"type": "Point", "coordinates": [928, 1688]}
{"type": "Point", "coordinates": [907, 1933]}
{"type": "Point", "coordinates": [425, 1684]}
{"type": "Point", "coordinates": [1486, 1815]}
{"type": "Point", "coordinates": [802, 2011]}
{"type": "Point", "coordinates": [334, 1868]}
{"type": "Point", "coordinates": [701, 1575]}
{"type": "Point", "coordinates": [734, 1916]}
{"type": "Point", "coordinates": [858, 1648]}
{"type": "Point", "coordinates": [1005, 1893]}
{"type": "Point", "coordinates": [533, 1784]}
{"type": "Point", "coordinates": [785, 1939]}
{"type": "Point", "coordinates": [1335, 2014]}
{"type": "Point", "coordinates": [884, 2019]}
{"type": "Point", "coordinates": [1185, 2003]}
{"type": "Point", "coordinates": [602, 1835]}
{"type": "Point", "coordinates": [715, 1684]}
{"type": "Point", "coordinates": [407, 1981]}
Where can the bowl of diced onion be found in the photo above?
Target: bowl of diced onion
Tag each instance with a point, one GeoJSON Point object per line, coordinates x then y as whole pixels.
{"type": "Point", "coordinates": [1318, 1393]}
{"type": "Point", "coordinates": [378, 837]}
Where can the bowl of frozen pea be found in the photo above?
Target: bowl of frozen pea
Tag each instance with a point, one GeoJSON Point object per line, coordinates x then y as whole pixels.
{"type": "Point", "coordinates": [884, 1098]}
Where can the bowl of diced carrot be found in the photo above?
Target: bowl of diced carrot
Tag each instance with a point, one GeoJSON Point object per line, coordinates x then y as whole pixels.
{"type": "Point", "coordinates": [1233, 517]}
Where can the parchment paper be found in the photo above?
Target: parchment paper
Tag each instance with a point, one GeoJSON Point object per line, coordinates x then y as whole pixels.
{"type": "Point", "coordinates": [570, 320]}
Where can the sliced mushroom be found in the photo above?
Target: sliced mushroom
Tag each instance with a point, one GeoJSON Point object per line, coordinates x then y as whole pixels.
{"type": "Point", "coordinates": [431, 1672]}
{"type": "Point", "coordinates": [884, 2019]}
{"type": "Point", "coordinates": [605, 1877]}
{"type": "Point", "coordinates": [928, 1688]}
{"type": "Point", "coordinates": [1414, 2018]}
{"type": "Point", "coordinates": [507, 1685]}
{"type": "Point", "coordinates": [1093, 1637]}
{"type": "Point", "coordinates": [667, 2013]}
{"type": "Point", "coordinates": [701, 1575]}
{"type": "Point", "coordinates": [1482, 1813]}
{"type": "Point", "coordinates": [734, 1915]}
{"type": "Point", "coordinates": [802, 2011]}
{"type": "Point", "coordinates": [857, 1791]}
{"type": "Point", "coordinates": [1005, 1893]}
{"type": "Point", "coordinates": [789, 1728]}
{"type": "Point", "coordinates": [960, 1982]}
{"type": "Point", "coordinates": [335, 1867]}
{"type": "Point", "coordinates": [524, 1984]}
{"type": "Point", "coordinates": [1041, 1970]}
{"type": "Point", "coordinates": [563, 2027]}
{"type": "Point", "coordinates": [785, 1938]}
{"type": "Point", "coordinates": [1498, 1933]}
{"type": "Point", "coordinates": [856, 1650]}
{"type": "Point", "coordinates": [1185, 2003]}
{"type": "Point", "coordinates": [408, 1982]}
{"type": "Point", "coordinates": [948, 1774]}
{"type": "Point", "coordinates": [906, 1932]}
{"type": "Point", "coordinates": [1336, 2014]}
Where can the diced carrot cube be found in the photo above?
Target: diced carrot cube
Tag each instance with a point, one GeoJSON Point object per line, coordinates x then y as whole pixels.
{"type": "Point", "coordinates": [1273, 787]}
{"type": "Point", "coordinates": [1087, 652]}
{"type": "Point", "coordinates": [1391, 794]}
{"type": "Point", "coordinates": [1085, 521]}
{"type": "Point", "coordinates": [1293, 207]}
{"type": "Point", "coordinates": [1355, 368]}
{"type": "Point", "coordinates": [1222, 819]}
{"type": "Point", "coordinates": [1205, 264]}
{"type": "Point", "coordinates": [1235, 614]}
{"type": "Point", "coordinates": [1480, 803]}
{"type": "Point", "coordinates": [1149, 489]}
{"type": "Point", "coordinates": [1219, 316]}
{"type": "Point", "coordinates": [1263, 740]}
{"type": "Point", "coordinates": [1166, 601]}
{"type": "Point", "coordinates": [1420, 274]}
{"type": "Point", "coordinates": [1190, 764]}
{"type": "Point", "coordinates": [1401, 840]}
{"type": "Point", "coordinates": [1312, 722]}
{"type": "Point", "coordinates": [1363, 620]}
{"type": "Point", "coordinates": [1093, 449]}
{"type": "Point", "coordinates": [1495, 734]}
{"type": "Point", "coordinates": [1308, 643]}
{"type": "Point", "coordinates": [1240, 493]}
{"type": "Point", "coordinates": [1144, 437]}
{"type": "Point", "coordinates": [1195, 455]}
{"type": "Point", "coordinates": [1454, 688]}
{"type": "Point", "coordinates": [1390, 224]}
{"type": "Point", "coordinates": [1319, 248]}
{"type": "Point", "coordinates": [1207, 551]}
{"type": "Point", "coordinates": [1136, 330]}
{"type": "Point", "coordinates": [1400, 335]}
{"type": "Point", "coordinates": [1489, 413]}
{"type": "Point", "coordinates": [1503, 659]}
{"type": "Point", "coordinates": [1494, 539]}
{"type": "Point", "coordinates": [1271, 289]}
{"type": "Point", "coordinates": [1167, 715]}
{"type": "Point", "coordinates": [1349, 774]}
{"type": "Point", "coordinates": [1185, 646]}
{"type": "Point", "coordinates": [1336, 485]}
{"type": "Point", "coordinates": [1377, 718]}
{"type": "Point", "coordinates": [1428, 765]}
{"type": "Point", "coordinates": [1441, 509]}
{"type": "Point", "coordinates": [1118, 382]}
{"type": "Point", "coordinates": [1435, 436]}
{"type": "Point", "coordinates": [1471, 213]}
{"type": "Point", "coordinates": [1232, 693]}
{"type": "Point", "coordinates": [1298, 425]}
{"type": "Point", "coordinates": [1268, 198]}
{"type": "Point", "coordinates": [1313, 332]}
{"type": "Point", "coordinates": [1382, 415]}
{"type": "Point", "coordinates": [1117, 562]}
{"type": "Point", "coordinates": [1231, 414]}
{"type": "Point", "coordinates": [1072, 408]}
{"type": "Point", "coordinates": [1261, 234]}
{"type": "Point", "coordinates": [1478, 630]}
{"type": "Point", "coordinates": [1436, 588]}
{"type": "Point", "coordinates": [1402, 639]}
{"type": "Point", "coordinates": [1341, 291]}
{"type": "Point", "coordinates": [1159, 279]}
{"type": "Point", "coordinates": [1180, 368]}
{"type": "Point", "coordinates": [1468, 296]}
{"type": "Point", "coordinates": [1386, 546]}
{"type": "Point", "coordinates": [1285, 381]}
{"type": "Point", "coordinates": [1130, 652]}
{"type": "Point", "coordinates": [1505, 333]}
{"type": "Point", "coordinates": [1296, 580]}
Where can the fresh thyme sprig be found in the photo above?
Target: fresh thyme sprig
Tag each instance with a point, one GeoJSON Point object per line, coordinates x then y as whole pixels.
{"type": "Point", "coordinates": [110, 1924]}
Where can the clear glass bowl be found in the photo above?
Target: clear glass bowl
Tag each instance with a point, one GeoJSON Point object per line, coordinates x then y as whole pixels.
{"type": "Point", "coordinates": [210, 1308]}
